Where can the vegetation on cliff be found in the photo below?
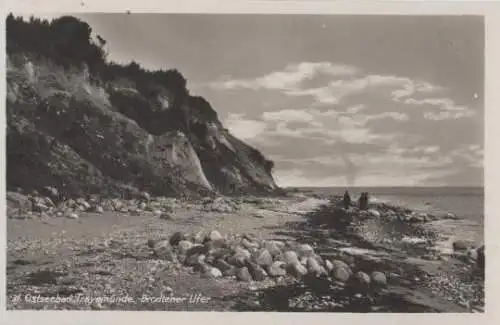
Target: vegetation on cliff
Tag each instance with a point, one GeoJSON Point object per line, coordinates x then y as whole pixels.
{"type": "Point", "coordinates": [79, 122]}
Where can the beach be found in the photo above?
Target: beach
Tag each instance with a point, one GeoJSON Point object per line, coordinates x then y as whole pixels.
{"type": "Point", "coordinates": [109, 254]}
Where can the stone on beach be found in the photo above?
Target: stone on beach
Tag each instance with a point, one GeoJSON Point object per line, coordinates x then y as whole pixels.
{"type": "Point", "coordinates": [263, 258]}
{"type": "Point", "coordinates": [257, 272]}
{"type": "Point", "coordinates": [313, 266]}
{"type": "Point", "coordinates": [277, 269]}
{"type": "Point", "coordinates": [378, 279]}
{"type": "Point", "coordinates": [163, 250]}
{"type": "Point", "coordinates": [296, 269]}
{"type": "Point", "coordinates": [214, 236]}
{"type": "Point", "coordinates": [212, 272]}
{"type": "Point", "coordinates": [341, 273]}
{"type": "Point", "coordinates": [184, 246]}
{"type": "Point", "coordinates": [374, 213]}
{"type": "Point", "coordinates": [305, 250]}
{"type": "Point", "coordinates": [461, 245]}
{"type": "Point", "coordinates": [72, 215]}
{"type": "Point", "coordinates": [361, 280]}
{"type": "Point", "coordinates": [274, 247]}
{"type": "Point", "coordinates": [243, 274]}
{"type": "Point", "coordinates": [176, 238]}
{"type": "Point", "coordinates": [290, 257]}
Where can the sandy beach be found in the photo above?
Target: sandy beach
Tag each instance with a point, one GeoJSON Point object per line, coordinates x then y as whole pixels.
{"type": "Point", "coordinates": [107, 255]}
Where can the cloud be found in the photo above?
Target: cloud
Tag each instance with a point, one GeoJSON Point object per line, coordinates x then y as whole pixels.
{"type": "Point", "coordinates": [244, 129]}
{"type": "Point", "coordinates": [446, 108]}
{"type": "Point", "coordinates": [376, 129]}
{"type": "Point", "coordinates": [289, 78]}
{"type": "Point", "coordinates": [346, 81]}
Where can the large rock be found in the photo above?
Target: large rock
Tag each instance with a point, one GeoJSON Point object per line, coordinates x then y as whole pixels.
{"type": "Point", "coordinates": [361, 281]}
{"type": "Point", "coordinates": [243, 274]}
{"type": "Point", "coordinates": [341, 264]}
{"type": "Point", "coordinates": [222, 265]}
{"type": "Point", "coordinates": [341, 274]}
{"type": "Point", "coordinates": [215, 235]}
{"type": "Point", "coordinates": [277, 269]}
{"type": "Point", "coordinates": [263, 258]}
{"type": "Point", "coordinates": [257, 272]}
{"type": "Point", "coordinates": [378, 279]}
{"type": "Point", "coordinates": [290, 258]}
{"type": "Point", "coordinates": [461, 245]}
{"type": "Point", "coordinates": [212, 272]}
{"type": "Point", "coordinates": [176, 238]}
{"type": "Point", "coordinates": [274, 247]}
{"type": "Point", "coordinates": [313, 266]}
{"type": "Point", "coordinates": [374, 213]}
{"type": "Point", "coordinates": [305, 250]}
{"type": "Point", "coordinates": [163, 250]}
{"type": "Point", "coordinates": [184, 246]}
{"type": "Point", "coordinates": [296, 269]}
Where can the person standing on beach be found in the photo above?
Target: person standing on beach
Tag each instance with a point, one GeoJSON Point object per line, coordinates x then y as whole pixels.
{"type": "Point", "coordinates": [347, 200]}
{"type": "Point", "coordinates": [363, 201]}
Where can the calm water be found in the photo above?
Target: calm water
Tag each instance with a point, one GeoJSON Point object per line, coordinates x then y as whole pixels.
{"type": "Point", "coordinates": [467, 203]}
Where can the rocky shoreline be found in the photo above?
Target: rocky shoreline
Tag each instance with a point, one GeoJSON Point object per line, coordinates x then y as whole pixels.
{"type": "Point", "coordinates": [328, 259]}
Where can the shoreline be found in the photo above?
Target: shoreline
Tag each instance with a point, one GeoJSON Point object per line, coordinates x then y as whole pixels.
{"type": "Point", "coordinates": [116, 241]}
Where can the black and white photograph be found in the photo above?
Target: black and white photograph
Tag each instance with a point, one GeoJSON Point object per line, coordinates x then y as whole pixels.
{"type": "Point", "coordinates": [245, 162]}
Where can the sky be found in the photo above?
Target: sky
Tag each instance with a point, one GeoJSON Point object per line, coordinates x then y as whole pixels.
{"type": "Point", "coordinates": [333, 100]}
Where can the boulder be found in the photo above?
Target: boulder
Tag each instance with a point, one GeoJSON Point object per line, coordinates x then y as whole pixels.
{"type": "Point", "coordinates": [340, 274]}
{"type": "Point", "coordinates": [145, 196]}
{"type": "Point", "coordinates": [243, 274]}
{"type": "Point", "coordinates": [162, 249]}
{"type": "Point", "coordinates": [296, 269]}
{"type": "Point", "coordinates": [184, 246]}
{"type": "Point", "coordinates": [197, 249]}
{"type": "Point", "coordinates": [215, 235]}
{"type": "Point", "coordinates": [263, 258]}
{"type": "Point", "coordinates": [313, 266]}
{"type": "Point", "coordinates": [361, 281]}
{"type": "Point", "coordinates": [378, 279]}
{"type": "Point", "coordinates": [328, 265]}
{"type": "Point", "coordinates": [72, 215]}
{"type": "Point", "coordinates": [461, 245]}
{"type": "Point", "coordinates": [99, 209]}
{"type": "Point", "coordinates": [277, 269]}
{"type": "Point", "coordinates": [290, 258]}
{"type": "Point", "coordinates": [195, 260]}
{"type": "Point", "coordinates": [341, 264]}
{"type": "Point", "coordinates": [274, 247]}
{"type": "Point", "coordinates": [222, 265]}
{"type": "Point", "coordinates": [374, 213]}
{"type": "Point", "coordinates": [305, 250]}
{"type": "Point", "coordinates": [212, 272]}
{"type": "Point", "coordinates": [18, 201]}
{"type": "Point", "coordinates": [230, 272]}
{"type": "Point", "coordinates": [176, 238]}
{"type": "Point", "coordinates": [257, 272]}
{"type": "Point", "coordinates": [245, 242]}
{"type": "Point", "coordinates": [199, 237]}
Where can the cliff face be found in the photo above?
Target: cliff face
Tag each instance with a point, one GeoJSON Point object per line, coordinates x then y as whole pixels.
{"type": "Point", "coordinates": [105, 130]}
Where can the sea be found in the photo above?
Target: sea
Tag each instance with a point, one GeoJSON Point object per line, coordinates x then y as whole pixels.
{"type": "Point", "coordinates": [466, 203]}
